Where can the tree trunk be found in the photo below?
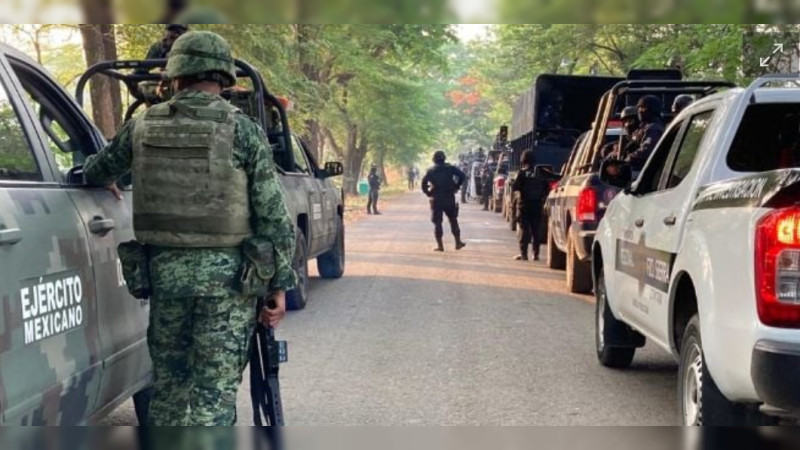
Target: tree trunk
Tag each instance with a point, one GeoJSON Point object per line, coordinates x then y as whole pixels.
{"type": "Point", "coordinates": [99, 44]}
{"type": "Point", "coordinates": [355, 152]}
{"type": "Point", "coordinates": [110, 50]}
{"type": "Point", "coordinates": [312, 134]}
{"type": "Point", "coordinates": [382, 166]}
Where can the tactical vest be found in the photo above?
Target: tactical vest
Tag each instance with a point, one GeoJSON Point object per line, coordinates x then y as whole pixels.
{"type": "Point", "coordinates": [187, 192]}
{"type": "Point", "coordinates": [534, 189]}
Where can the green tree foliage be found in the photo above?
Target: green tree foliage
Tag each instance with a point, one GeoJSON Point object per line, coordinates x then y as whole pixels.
{"type": "Point", "coordinates": [511, 60]}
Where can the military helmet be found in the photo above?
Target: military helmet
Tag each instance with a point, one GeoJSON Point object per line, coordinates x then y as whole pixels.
{"type": "Point", "coordinates": [198, 52]}
{"type": "Point", "coordinates": [439, 156]}
{"type": "Point", "coordinates": [680, 102]}
{"type": "Point", "coordinates": [651, 103]}
{"type": "Point", "coordinates": [628, 113]}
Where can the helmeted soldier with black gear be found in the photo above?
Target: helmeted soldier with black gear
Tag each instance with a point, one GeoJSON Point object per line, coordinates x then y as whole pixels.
{"type": "Point", "coordinates": [486, 186]}
{"type": "Point", "coordinates": [374, 181]}
{"type": "Point", "coordinates": [533, 186]}
{"type": "Point", "coordinates": [681, 102]}
{"type": "Point", "coordinates": [652, 128]}
{"type": "Point", "coordinates": [440, 184]}
{"type": "Point", "coordinates": [629, 142]}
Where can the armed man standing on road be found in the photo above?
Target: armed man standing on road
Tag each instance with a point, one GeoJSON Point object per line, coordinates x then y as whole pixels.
{"type": "Point", "coordinates": [486, 185]}
{"type": "Point", "coordinates": [533, 186]}
{"type": "Point", "coordinates": [440, 185]}
{"type": "Point", "coordinates": [374, 181]}
{"type": "Point", "coordinates": [652, 128]}
{"type": "Point", "coordinates": [209, 211]}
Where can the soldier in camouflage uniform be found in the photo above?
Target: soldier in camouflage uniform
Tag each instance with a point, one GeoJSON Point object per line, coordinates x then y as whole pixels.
{"type": "Point", "coordinates": [205, 184]}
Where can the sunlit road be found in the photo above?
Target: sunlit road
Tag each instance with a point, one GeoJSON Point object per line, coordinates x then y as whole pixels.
{"type": "Point", "coordinates": [413, 337]}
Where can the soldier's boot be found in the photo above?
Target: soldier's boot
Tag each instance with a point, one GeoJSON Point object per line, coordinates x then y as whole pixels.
{"type": "Point", "coordinates": [535, 252]}
{"type": "Point", "coordinates": [439, 245]}
{"type": "Point", "coordinates": [459, 243]}
{"type": "Point", "coordinates": [523, 254]}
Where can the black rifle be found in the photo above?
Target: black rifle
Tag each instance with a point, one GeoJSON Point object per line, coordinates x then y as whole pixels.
{"type": "Point", "coordinates": [266, 355]}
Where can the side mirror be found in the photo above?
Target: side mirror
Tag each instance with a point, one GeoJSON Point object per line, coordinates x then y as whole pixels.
{"type": "Point", "coordinates": [333, 169]}
{"type": "Point", "coordinates": [616, 173]}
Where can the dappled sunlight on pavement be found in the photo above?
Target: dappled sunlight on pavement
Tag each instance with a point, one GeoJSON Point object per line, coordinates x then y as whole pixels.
{"type": "Point", "coordinates": [398, 244]}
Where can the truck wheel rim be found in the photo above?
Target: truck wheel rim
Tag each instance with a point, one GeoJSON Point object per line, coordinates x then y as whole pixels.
{"type": "Point", "coordinates": [692, 388]}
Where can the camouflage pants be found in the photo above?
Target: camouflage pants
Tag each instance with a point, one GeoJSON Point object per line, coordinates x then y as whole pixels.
{"type": "Point", "coordinates": [199, 349]}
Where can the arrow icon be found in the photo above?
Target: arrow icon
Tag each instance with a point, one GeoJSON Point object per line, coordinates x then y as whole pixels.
{"type": "Point", "coordinates": [765, 61]}
{"type": "Point", "coordinates": [778, 48]}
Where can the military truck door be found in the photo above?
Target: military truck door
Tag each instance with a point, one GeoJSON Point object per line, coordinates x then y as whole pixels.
{"type": "Point", "coordinates": [50, 365]}
{"type": "Point", "coordinates": [304, 175]}
{"type": "Point", "coordinates": [70, 137]}
{"type": "Point", "coordinates": [329, 199]}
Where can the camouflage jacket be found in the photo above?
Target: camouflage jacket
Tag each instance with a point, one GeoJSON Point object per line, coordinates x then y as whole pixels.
{"type": "Point", "coordinates": [210, 272]}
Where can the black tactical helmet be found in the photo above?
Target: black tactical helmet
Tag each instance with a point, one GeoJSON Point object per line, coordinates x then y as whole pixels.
{"type": "Point", "coordinates": [526, 158]}
{"type": "Point", "coordinates": [681, 101]}
{"type": "Point", "coordinates": [629, 112]}
{"type": "Point", "coordinates": [439, 156]}
{"type": "Point", "coordinates": [177, 27]}
{"type": "Point", "coordinates": [651, 103]}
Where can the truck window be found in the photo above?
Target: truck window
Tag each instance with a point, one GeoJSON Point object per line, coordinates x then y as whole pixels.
{"type": "Point", "coordinates": [17, 161]}
{"type": "Point", "coordinates": [768, 138]}
{"type": "Point", "coordinates": [300, 163]}
{"type": "Point", "coordinates": [66, 133]}
{"type": "Point", "coordinates": [688, 149]}
{"type": "Point", "coordinates": [650, 177]}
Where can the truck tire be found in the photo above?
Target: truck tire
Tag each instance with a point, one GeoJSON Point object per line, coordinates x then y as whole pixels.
{"type": "Point", "coordinates": [297, 298]}
{"type": "Point", "coordinates": [609, 356]}
{"type": "Point", "coordinates": [700, 402]}
{"type": "Point", "coordinates": [331, 264]}
{"type": "Point", "coordinates": [556, 259]}
{"type": "Point", "coordinates": [579, 274]}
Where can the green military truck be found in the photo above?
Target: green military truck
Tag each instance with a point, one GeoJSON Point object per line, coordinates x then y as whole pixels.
{"type": "Point", "coordinates": [72, 339]}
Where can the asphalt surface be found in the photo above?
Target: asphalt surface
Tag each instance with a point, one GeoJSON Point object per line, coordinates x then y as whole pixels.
{"type": "Point", "coordinates": [469, 337]}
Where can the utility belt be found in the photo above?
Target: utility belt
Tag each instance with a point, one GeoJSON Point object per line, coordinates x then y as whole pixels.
{"type": "Point", "coordinates": [253, 279]}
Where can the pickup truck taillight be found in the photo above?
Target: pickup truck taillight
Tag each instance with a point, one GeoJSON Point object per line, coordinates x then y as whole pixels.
{"type": "Point", "coordinates": [777, 261]}
{"type": "Point", "coordinates": [586, 210]}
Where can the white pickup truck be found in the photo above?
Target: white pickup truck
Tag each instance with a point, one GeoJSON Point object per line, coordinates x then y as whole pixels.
{"type": "Point", "coordinates": [701, 256]}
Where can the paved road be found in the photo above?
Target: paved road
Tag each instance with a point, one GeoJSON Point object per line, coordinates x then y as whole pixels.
{"type": "Point", "coordinates": [412, 337]}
